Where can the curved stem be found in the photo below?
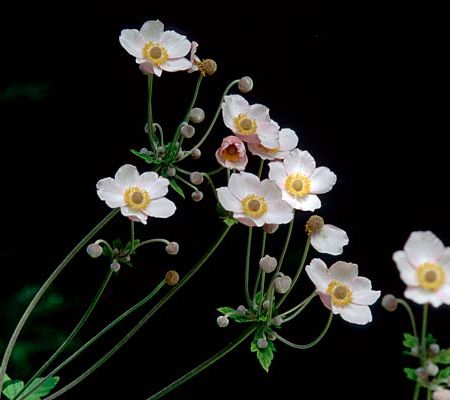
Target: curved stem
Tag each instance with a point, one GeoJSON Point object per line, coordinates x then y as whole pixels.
{"type": "Point", "coordinates": [211, 184]}
{"type": "Point", "coordinates": [298, 308]}
{"type": "Point", "coordinates": [309, 345]}
{"type": "Point", "coordinates": [286, 244]}
{"type": "Point", "coordinates": [142, 322]}
{"type": "Point", "coordinates": [411, 316]}
{"type": "Point", "coordinates": [203, 365]}
{"type": "Point", "coordinates": [43, 289]}
{"type": "Point", "coordinates": [183, 171]}
{"type": "Point", "coordinates": [164, 241]}
{"type": "Point", "coordinates": [189, 184]}
{"type": "Point", "coordinates": [161, 132]}
{"type": "Point", "coordinates": [215, 171]}
{"type": "Point", "coordinates": [263, 282]}
{"type": "Point", "coordinates": [247, 266]}
{"type": "Point", "coordinates": [258, 276]}
{"type": "Point", "coordinates": [151, 135]}
{"type": "Point", "coordinates": [428, 393]}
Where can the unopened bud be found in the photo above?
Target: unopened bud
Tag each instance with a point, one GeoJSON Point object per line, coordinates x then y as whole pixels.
{"type": "Point", "coordinates": [196, 153]}
{"type": "Point", "coordinates": [270, 228]}
{"type": "Point", "coordinates": [241, 310]}
{"type": "Point", "coordinates": [432, 369]}
{"type": "Point", "coordinates": [314, 224]}
{"type": "Point", "coordinates": [197, 196]}
{"type": "Point", "coordinates": [144, 150]}
{"type": "Point", "coordinates": [277, 321]}
{"type": "Point", "coordinates": [223, 321]}
{"type": "Point", "coordinates": [146, 68]}
{"type": "Point", "coordinates": [421, 373]}
{"type": "Point", "coordinates": [172, 248]}
{"type": "Point", "coordinates": [245, 84]}
{"type": "Point", "coordinates": [197, 115]}
{"type": "Point", "coordinates": [272, 336]}
{"type": "Point", "coordinates": [389, 302]}
{"type": "Point", "coordinates": [171, 171]}
{"type": "Point", "coordinates": [415, 351]}
{"type": "Point", "coordinates": [282, 284]}
{"type": "Point", "coordinates": [196, 178]}
{"type": "Point", "coordinates": [268, 264]}
{"type": "Point", "coordinates": [261, 343]}
{"type": "Point", "coordinates": [434, 348]}
{"type": "Point", "coordinates": [187, 131]}
{"type": "Point", "coordinates": [207, 67]}
{"type": "Point", "coordinates": [266, 305]}
{"type": "Point", "coordinates": [441, 394]}
{"type": "Point", "coordinates": [180, 155]}
{"type": "Point", "coordinates": [172, 277]}
{"type": "Point", "coordinates": [115, 266]}
{"type": "Point", "coordinates": [94, 250]}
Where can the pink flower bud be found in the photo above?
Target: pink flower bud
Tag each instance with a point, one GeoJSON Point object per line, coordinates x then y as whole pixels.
{"type": "Point", "coordinates": [197, 196]}
{"type": "Point", "coordinates": [245, 84]}
{"type": "Point", "coordinates": [196, 178]}
{"type": "Point", "coordinates": [187, 131]}
{"type": "Point", "coordinates": [196, 115]}
{"type": "Point", "coordinates": [94, 250]}
{"type": "Point", "coordinates": [115, 266]}
{"type": "Point", "coordinates": [389, 302]}
{"type": "Point", "coordinates": [196, 153]}
{"type": "Point", "coordinates": [223, 321]}
{"type": "Point", "coordinates": [441, 394]}
{"type": "Point", "coordinates": [172, 248]}
{"type": "Point", "coordinates": [282, 284]}
{"type": "Point", "coordinates": [232, 153]}
{"type": "Point", "coordinates": [270, 228]}
{"type": "Point", "coordinates": [268, 264]}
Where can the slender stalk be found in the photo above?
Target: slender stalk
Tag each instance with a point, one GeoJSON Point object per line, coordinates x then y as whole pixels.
{"type": "Point", "coordinates": [263, 283]}
{"type": "Point", "coordinates": [260, 168]}
{"type": "Point", "coordinates": [299, 270]}
{"type": "Point", "coordinates": [203, 365]}
{"type": "Point", "coordinates": [416, 391]}
{"type": "Point", "coordinates": [247, 266]}
{"type": "Point", "coordinates": [189, 184]}
{"type": "Point", "coordinates": [161, 133]}
{"type": "Point", "coordinates": [299, 308]}
{"type": "Point", "coordinates": [183, 171]}
{"type": "Point", "coordinates": [132, 237]}
{"type": "Point", "coordinates": [211, 184]}
{"type": "Point", "coordinates": [142, 322]}
{"type": "Point", "coordinates": [164, 241]}
{"type": "Point", "coordinates": [424, 327]}
{"type": "Point", "coordinates": [258, 275]}
{"type": "Point", "coordinates": [271, 294]}
{"type": "Point", "coordinates": [43, 289]}
{"type": "Point", "coordinates": [428, 393]}
{"type": "Point", "coordinates": [411, 316]}
{"type": "Point", "coordinates": [285, 246]}
{"type": "Point", "coordinates": [309, 345]}
{"type": "Point", "coordinates": [151, 135]}
{"type": "Point", "coordinates": [215, 171]}
{"type": "Point", "coordinates": [66, 342]}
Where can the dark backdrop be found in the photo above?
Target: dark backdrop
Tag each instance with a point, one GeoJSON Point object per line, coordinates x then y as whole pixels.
{"type": "Point", "coordinates": [361, 85]}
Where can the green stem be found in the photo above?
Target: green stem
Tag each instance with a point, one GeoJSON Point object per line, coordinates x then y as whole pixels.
{"type": "Point", "coordinates": [161, 133]}
{"type": "Point", "coordinates": [298, 308]}
{"type": "Point", "coordinates": [151, 135]}
{"type": "Point", "coordinates": [164, 241]}
{"type": "Point", "coordinates": [189, 184]}
{"type": "Point", "coordinates": [247, 266]}
{"type": "Point", "coordinates": [146, 317]}
{"type": "Point", "coordinates": [260, 169]}
{"type": "Point", "coordinates": [424, 327]}
{"type": "Point", "coordinates": [428, 394]}
{"type": "Point", "coordinates": [183, 171]}
{"type": "Point", "coordinates": [211, 184]}
{"type": "Point", "coordinates": [309, 345]}
{"type": "Point", "coordinates": [299, 270]}
{"type": "Point", "coordinates": [271, 294]}
{"type": "Point", "coordinates": [203, 365]}
{"type": "Point", "coordinates": [132, 237]}
{"type": "Point", "coordinates": [43, 289]}
{"type": "Point", "coordinates": [416, 391]}
{"type": "Point", "coordinates": [258, 275]}
{"type": "Point", "coordinates": [215, 171]}
{"type": "Point", "coordinates": [411, 316]}
{"type": "Point", "coordinates": [286, 244]}
{"type": "Point", "coordinates": [263, 283]}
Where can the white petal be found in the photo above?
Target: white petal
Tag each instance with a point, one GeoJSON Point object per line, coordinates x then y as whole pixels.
{"type": "Point", "coordinates": [147, 179]}
{"type": "Point", "coordinates": [322, 180]}
{"type": "Point", "coordinates": [236, 105]}
{"type": "Point", "coordinates": [270, 191]}
{"type": "Point", "coordinates": [132, 41]}
{"type": "Point", "coordinates": [152, 30]}
{"type": "Point", "coordinates": [244, 220]}
{"type": "Point", "coordinates": [243, 184]}
{"type": "Point", "coordinates": [362, 292]}
{"type": "Point", "coordinates": [330, 239]}
{"type": "Point", "coordinates": [288, 139]}
{"type": "Point", "coordinates": [259, 112]}
{"type": "Point", "coordinates": [260, 151]}
{"type": "Point", "coordinates": [309, 202]}
{"type": "Point", "coordinates": [128, 212]}
{"type": "Point", "coordinates": [160, 208]}
{"type": "Point", "coordinates": [317, 271]}
{"type": "Point", "coordinates": [423, 247]}
{"type": "Point", "coordinates": [228, 201]}
{"type": "Point", "coordinates": [356, 314]}
{"type": "Point", "coordinates": [176, 45]}
{"type": "Point", "coordinates": [422, 296]}
{"type": "Point", "coordinates": [159, 188]}
{"type": "Point", "coordinates": [110, 192]}
{"type": "Point", "coordinates": [408, 273]}
{"type": "Point", "coordinates": [268, 134]}
{"type": "Point", "coordinates": [343, 271]}
{"type": "Point", "coordinates": [127, 175]}
{"type": "Point", "coordinates": [444, 293]}
{"type": "Point", "coordinates": [444, 258]}
{"type": "Point", "coordinates": [176, 64]}
{"type": "Point", "coordinates": [279, 212]}
{"type": "Point", "coordinates": [228, 119]}
{"type": "Point", "coordinates": [277, 172]}
{"type": "Point", "coordinates": [300, 161]}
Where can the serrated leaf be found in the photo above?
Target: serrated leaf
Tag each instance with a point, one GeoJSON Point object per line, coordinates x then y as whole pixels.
{"type": "Point", "coordinates": [229, 221]}
{"type": "Point", "coordinates": [444, 373]}
{"type": "Point", "coordinates": [148, 158]}
{"type": "Point", "coordinates": [175, 186]}
{"type": "Point", "coordinates": [410, 341]}
{"type": "Point", "coordinates": [265, 356]}
{"type": "Point", "coordinates": [410, 373]}
{"type": "Point", "coordinates": [443, 357]}
{"type": "Point", "coordinates": [44, 389]}
{"type": "Point", "coordinates": [12, 387]}
{"type": "Point", "coordinates": [117, 244]}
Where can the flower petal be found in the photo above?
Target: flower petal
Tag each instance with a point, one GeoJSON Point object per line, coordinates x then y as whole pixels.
{"type": "Point", "coordinates": [151, 31]}
{"type": "Point", "coordinates": [322, 180]}
{"type": "Point", "coordinates": [134, 214]}
{"type": "Point", "coordinates": [408, 273]}
{"type": "Point", "coordinates": [160, 208]}
{"type": "Point", "coordinates": [270, 191]}
{"type": "Point", "coordinates": [343, 271]}
{"type": "Point", "coordinates": [127, 175]}
{"type": "Point", "coordinates": [423, 247]}
{"type": "Point", "coordinates": [277, 172]}
{"type": "Point", "coordinates": [362, 292]}
{"type": "Point", "coordinates": [228, 201]}
{"type": "Point", "coordinates": [444, 259]}
{"type": "Point", "coordinates": [176, 64]}
{"type": "Point", "coordinates": [356, 314]}
{"type": "Point", "coordinates": [288, 139]}
{"type": "Point", "coordinates": [300, 161]}
{"type": "Point", "coordinates": [132, 41]}
{"type": "Point", "coordinates": [422, 296]}
{"type": "Point", "coordinates": [243, 184]}
{"type": "Point", "coordinates": [317, 271]}
{"type": "Point", "coordinates": [309, 202]}
{"type": "Point", "coordinates": [159, 188]}
{"type": "Point", "coordinates": [176, 45]}
{"type": "Point", "coordinates": [279, 212]}
{"type": "Point", "coordinates": [110, 192]}
{"type": "Point", "coordinates": [330, 239]}
{"type": "Point", "coordinates": [259, 112]}
{"type": "Point", "coordinates": [268, 133]}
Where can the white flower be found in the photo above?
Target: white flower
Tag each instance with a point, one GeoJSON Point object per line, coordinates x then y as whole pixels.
{"type": "Point", "coordinates": [254, 203]}
{"type": "Point", "coordinates": [343, 291]}
{"type": "Point", "coordinates": [157, 50]}
{"type": "Point", "coordinates": [138, 196]}
{"type": "Point", "coordinates": [424, 266]}
{"type": "Point", "coordinates": [251, 123]}
{"type": "Point", "coordinates": [326, 238]}
{"type": "Point", "coordinates": [288, 140]}
{"type": "Point", "coordinates": [441, 394]}
{"type": "Point", "coordinates": [195, 60]}
{"type": "Point", "coordinates": [300, 180]}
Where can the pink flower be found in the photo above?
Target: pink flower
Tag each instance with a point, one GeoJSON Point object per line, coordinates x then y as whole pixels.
{"type": "Point", "coordinates": [288, 140]}
{"type": "Point", "coordinates": [232, 154]}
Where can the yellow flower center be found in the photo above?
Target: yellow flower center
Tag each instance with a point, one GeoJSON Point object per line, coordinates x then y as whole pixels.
{"type": "Point", "coordinates": [254, 205]}
{"type": "Point", "coordinates": [431, 276]}
{"type": "Point", "coordinates": [136, 198]}
{"type": "Point", "coordinates": [155, 53]}
{"type": "Point", "coordinates": [298, 185]}
{"type": "Point", "coordinates": [341, 294]}
{"type": "Point", "coordinates": [245, 125]}
{"type": "Point", "coordinates": [231, 153]}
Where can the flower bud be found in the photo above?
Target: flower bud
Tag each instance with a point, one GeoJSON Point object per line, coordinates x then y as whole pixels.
{"type": "Point", "coordinates": [421, 373]}
{"type": "Point", "coordinates": [314, 224]}
{"type": "Point", "coordinates": [261, 343]}
{"type": "Point", "coordinates": [268, 264]}
{"type": "Point", "coordinates": [172, 277]}
{"type": "Point", "coordinates": [272, 336]}
{"type": "Point", "coordinates": [172, 248]}
{"type": "Point", "coordinates": [432, 369]}
{"type": "Point", "coordinates": [277, 321]}
{"type": "Point", "coordinates": [115, 266]}
{"type": "Point", "coordinates": [187, 131]}
{"type": "Point", "coordinates": [282, 284]}
{"type": "Point", "coordinates": [441, 394]}
{"type": "Point", "coordinates": [196, 153]}
{"type": "Point", "coordinates": [196, 178]}
{"type": "Point", "coordinates": [207, 67]}
{"type": "Point", "coordinates": [415, 351]}
{"type": "Point", "coordinates": [180, 155]}
{"type": "Point", "coordinates": [171, 171]}
{"type": "Point", "coordinates": [196, 115]}
{"type": "Point", "coordinates": [146, 68]}
{"type": "Point", "coordinates": [94, 250]}
{"type": "Point", "coordinates": [242, 310]}
{"type": "Point", "coordinates": [270, 228]}
{"type": "Point", "coordinates": [434, 348]}
{"type": "Point", "coordinates": [245, 84]}
{"type": "Point", "coordinates": [197, 196]}
{"type": "Point", "coordinates": [144, 150]}
{"type": "Point", "coordinates": [266, 305]}
{"type": "Point", "coordinates": [389, 302]}
{"type": "Point", "coordinates": [223, 321]}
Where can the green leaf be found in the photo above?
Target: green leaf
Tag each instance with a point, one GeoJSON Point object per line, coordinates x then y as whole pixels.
{"type": "Point", "coordinates": [175, 186]}
{"type": "Point", "coordinates": [235, 315]}
{"type": "Point", "coordinates": [229, 221]}
{"type": "Point", "coordinates": [430, 339]}
{"type": "Point", "coordinates": [409, 341]}
{"type": "Point", "coordinates": [117, 244]}
{"type": "Point", "coordinates": [265, 356]}
{"type": "Point", "coordinates": [226, 310]}
{"type": "Point", "coordinates": [444, 373]}
{"type": "Point", "coordinates": [148, 158]}
{"type": "Point", "coordinates": [12, 387]}
{"type": "Point", "coordinates": [221, 211]}
{"type": "Point", "coordinates": [6, 378]}
{"type": "Point", "coordinates": [443, 357]}
{"type": "Point", "coordinates": [410, 373]}
{"type": "Point", "coordinates": [44, 389]}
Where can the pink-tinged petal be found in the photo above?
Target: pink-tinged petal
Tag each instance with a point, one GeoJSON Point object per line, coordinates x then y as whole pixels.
{"type": "Point", "coordinates": [157, 70]}
{"type": "Point", "coordinates": [408, 273]}
{"type": "Point", "coordinates": [110, 192]}
{"type": "Point", "coordinates": [279, 212]}
{"type": "Point", "coordinates": [270, 191]}
{"type": "Point", "coordinates": [422, 296]}
{"type": "Point", "coordinates": [228, 119]}
{"type": "Point", "coordinates": [259, 112]}
{"type": "Point", "coordinates": [343, 271]}
{"type": "Point", "coordinates": [330, 240]}
{"type": "Point", "coordinates": [257, 150]}
{"type": "Point", "coordinates": [326, 300]}
{"type": "Point", "coordinates": [300, 161]}
{"type": "Point", "coordinates": [444, 259]}
{"type": "Point", "coordinates": [158, 189]}
{"type": "Point", "coordinates": [277, 172]}
{"type": "Point", "coordinates": [228, 201]}
{"type": "Point", "coordinates": [236, 105]}
{"type": "Point", "coordinates": [248, 138]}
{"type": "Point", "coordinates": [423, 247]}
{"type": "Point", "coordinates": [176, 45]}
{"type": "Point", "coordinates": [288, 140]}
{"type": "Point", "coordinates": [322, 180]}
{"type": "Point", "coordinates": [176, 64]}
{"type": "Point", "coordinates": [444, 294]}
{"type": "Point", "coordinates": [244, 184]}
{"type": "Point", "coordinates": [160, 208]}
{"type": "Point", "coordinates": [151, 31]}
{"type": "Point", "coordinates": [135, 215]}
{"type": "Point", "coordinates": [268, 133]}
{"type": "Point", "coordinates": [317, 271]}
{"type": "Point", "coordinates": [132, 41]}
{"type": "Point", "coordinates": [146, 68]}
{"type": "Point", "coordinates": [223, 157]}
{"type": "Point", "coordinates": [244, 220]}
{"type": "Point", "coordinates": [309, 202]}
{"type": "Point", "coordinates": [127, 175]}
{"type": "Point", "coordinates": [355, 314]}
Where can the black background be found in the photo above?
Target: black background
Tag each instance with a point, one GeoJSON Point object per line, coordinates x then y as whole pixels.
{"type": "Point", "coordinates": [362, 85]}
